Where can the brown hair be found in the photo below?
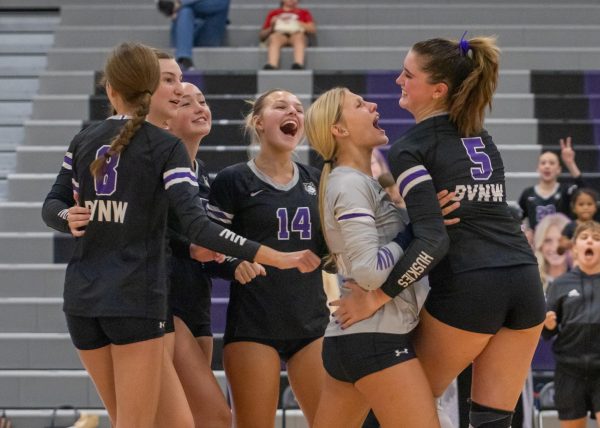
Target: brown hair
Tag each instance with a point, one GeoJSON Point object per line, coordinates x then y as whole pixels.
{"type": "Point", "coordinates": [592, 225]}
{"type": "Point", "coordinates": [132, 70]}
{"type": "Point", "coordinates": [470, 72]}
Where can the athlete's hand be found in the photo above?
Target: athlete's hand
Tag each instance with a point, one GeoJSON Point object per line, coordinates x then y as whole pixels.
{"type": "Point", "coordinates": [204, 255]}
{"type": "Point", "coordinates": [78, 217]}
{"type": "Point", "coordinates": [550, 321]}
{"type": "Point", "coordinates": [246, 272]}
{"type": "Point", "coordinates": [445, 200]}
{"type": "Point", "coordinates": [305, 261]}
{"type": "Point", "coordinates": [357, 305]}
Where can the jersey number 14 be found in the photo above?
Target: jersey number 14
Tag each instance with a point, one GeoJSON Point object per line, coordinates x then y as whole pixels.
{"type": "Point", "coordinates": [300, 223]}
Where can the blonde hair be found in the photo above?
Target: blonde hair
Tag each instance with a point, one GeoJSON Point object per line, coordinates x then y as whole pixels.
{"type": "Point", "coordinates": [132, 70]}
{"type": "Point", "coordinates": [557, 220]}
{"type": "Point", "coordinates": [471, 77]}
{"type": "Point", "coordinates": [325, 112]}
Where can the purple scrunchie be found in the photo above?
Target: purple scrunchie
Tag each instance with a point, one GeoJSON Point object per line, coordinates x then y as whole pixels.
{"type": "Point", "coordinates": [463, 45]}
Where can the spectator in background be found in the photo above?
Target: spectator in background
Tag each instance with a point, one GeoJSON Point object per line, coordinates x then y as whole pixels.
{"type": "Point", "coordinates": [549, 196]}
{"type": "Point", "coordinates": [584, 206]}
{"type": "Point", "coordinates": [546, 240]}
{"type": "Point", "coordinates": [197, 23]}
{"type": "Point", "coordinates": [287, 26]}
{"type": "Point", "coordinates": [573, 316]}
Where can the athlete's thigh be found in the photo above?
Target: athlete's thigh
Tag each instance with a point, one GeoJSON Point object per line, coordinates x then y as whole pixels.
{"type": "Point", "coordinates": [253, 372]}
{"type": "Point", "coordinates": [138, 369]}
{"type": "Point", "coordinates": [98, 363]}
{"type": "Point", "coordinates": [499, 372]}
{"type": "Point", "coordinates": [306, 375]}
{"type": "Point", "coordinates": [445, 351]}
{"type": "Point", "coordinates": [406, 389]}
{"type": "Point", "coordinates": [206, 400]}
{"type": "Point", "coordinates": [341, 405]}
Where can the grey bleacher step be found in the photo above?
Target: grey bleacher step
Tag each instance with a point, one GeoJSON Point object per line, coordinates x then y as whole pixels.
{"type": "Point", "coordinates": [14, 108]}
{"type": "Point", "coordinates": [28, 187]}
{"type": "Point", "coordinates": [41, 418]}
{"type": "Point", "coordinates": [373, 13]}
{"type": "Point", "coordinates": [32, 279]}
{"type": "Point", "coordinates": [61, 107]}
{"type": "Point", "coordinates": [50, 132]}
{"type": "Point", "coordinates": [37, 22]}
{"type": "Point", "coordinates": [339, 58]}
{"type": "Point", "coordinates": [14, 64]}
{"type": "Point", "coordinates": [342, 35]}
{"type": "Point", "coordinates": [21, 217]}
{"type": "Point", "coordinates": [31, 351]}
{"type": "Point", "coordinates": [66, 82]}
{"type": "Point", "coordinates": [11, 134]}
{"type": "Point", "coordinates": [23, 87]}
{"type": "Point", "coordinates": [51, 388]}
{"type": "Point", "coordinates": [25, 42]}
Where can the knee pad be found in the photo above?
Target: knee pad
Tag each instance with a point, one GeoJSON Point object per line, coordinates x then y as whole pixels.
{"type": "Point", "coordinates": [486, 417]}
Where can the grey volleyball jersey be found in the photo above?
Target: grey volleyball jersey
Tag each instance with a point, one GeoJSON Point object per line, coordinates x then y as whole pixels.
{"type": "Point", "coordinates": [360, 223]}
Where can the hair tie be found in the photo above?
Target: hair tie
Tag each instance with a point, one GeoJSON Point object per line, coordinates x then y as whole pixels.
{"type": "Point", "coordinates": [328, 161]}
{"type": "Point", "coordinates": [463, 45]}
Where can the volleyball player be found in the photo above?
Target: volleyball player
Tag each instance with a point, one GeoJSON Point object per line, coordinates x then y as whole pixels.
{"type": "Point", "coordinates": [486, 304]}
{"type": "Point", "coordinates": [281, 316]}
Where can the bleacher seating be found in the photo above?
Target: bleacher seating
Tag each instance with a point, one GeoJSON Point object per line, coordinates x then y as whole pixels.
{"type": "Point", "coordinates": [51, 52]}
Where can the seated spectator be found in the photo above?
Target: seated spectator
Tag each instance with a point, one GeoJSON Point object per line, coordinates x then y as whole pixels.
{"type": "Point", "coordinates": [546, 240]}
{"type": "Point", "coordinates": [197, 23]}
{"type": "Point", "coordinates": [287, 26]}
{"type": "Point", "coordinates": [584, 206]}
{"type": "Point", "coordinates": [549, 196]}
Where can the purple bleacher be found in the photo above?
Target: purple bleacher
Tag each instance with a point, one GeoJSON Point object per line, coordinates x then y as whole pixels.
{"type": "Point", "coordinates": [382, 82]}
{"type": "Point", "coordinates": [220, 288]}
{"type": "Point", "coordinates": [218, 314]}
{"type": "Point", "coordinates": [592, 82]}
{"type": "Point", "coordinates": [543, 359]}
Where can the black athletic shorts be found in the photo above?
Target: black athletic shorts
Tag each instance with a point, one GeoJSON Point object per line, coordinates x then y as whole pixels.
{"type": "Point", "coordinates": [350, 357]}
{"type": "Point", "coordinates": [93, 333]}
{"type": "Point", "coordinates": [485, 300]}
{"type": "Point", "coordinates": [285, 348]}
{"type": "Point", "coordinates": [190, 295]}
{"type": "Point", "coordinates": [575, 394]}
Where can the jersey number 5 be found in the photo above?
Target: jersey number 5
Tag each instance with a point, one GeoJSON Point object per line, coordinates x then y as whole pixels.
{"type": "Point", "coordinates": [475, 150]}
{"type": "Point", "coordinates": [107, 184]}
{"type": "Point", "coordinates": [300, 223]}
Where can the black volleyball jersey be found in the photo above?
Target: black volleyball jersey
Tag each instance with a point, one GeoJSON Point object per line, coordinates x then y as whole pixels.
{"type": "Point", "coordinates": [190, 293]}
{"type": "Point", "coordinates": [535, 207]}
{"type": "Point", "coordinates": [119, 266]}
{"type": "Point", "coordinates": [284, 304]}
{"type": "Point", "coordinates": [432, 157]}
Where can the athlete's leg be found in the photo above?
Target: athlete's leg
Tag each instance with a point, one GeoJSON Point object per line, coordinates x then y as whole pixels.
{"type": "Point", "coordinates": [445, 351]}
{"type": "Point", "coordinates": [395, 392]}
{"type": "Point", "coordinates": [206, 345]}
{"type": "Point", "coordinates": [341, 405]}
{"type": "Point", "coordinates": [138, 373]}
{"type": "Point", "coordinates": [306, 375]}
{"type": "Point", "coordinates": [98, 363]}
{"type": "Point", "coordinates": [253, 371]}
{"type": "Point", "coordinates": [206, 400]}
{"type": "Point", "coordinates": [577, 423]}
{"type": "Point", "coordinates": [298, 42]}
{"type": "Point", "coordinates": [499, 372]}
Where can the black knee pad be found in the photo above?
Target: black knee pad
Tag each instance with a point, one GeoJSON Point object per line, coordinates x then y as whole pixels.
{"type": "Point", "coordinates": [486, 417]}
